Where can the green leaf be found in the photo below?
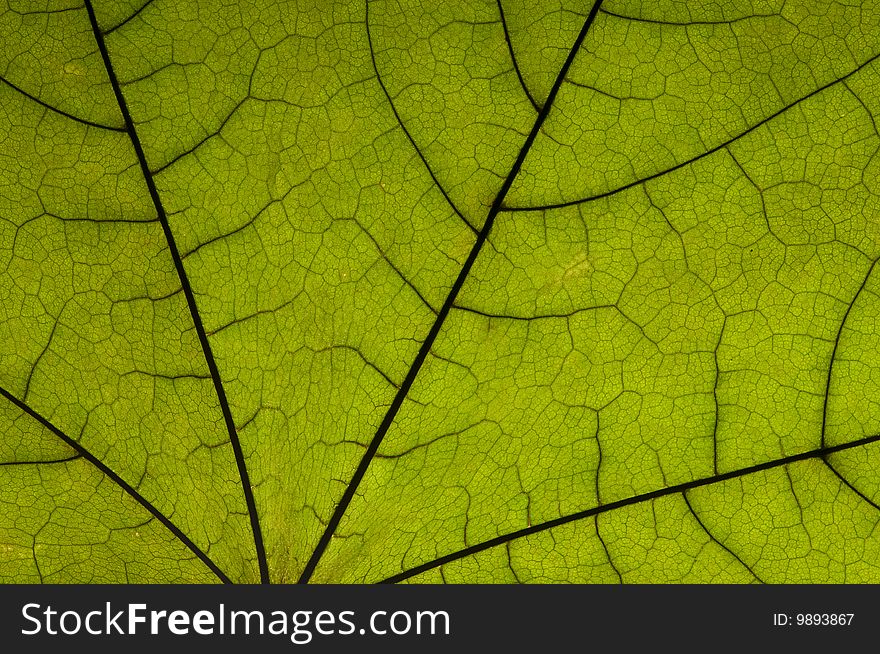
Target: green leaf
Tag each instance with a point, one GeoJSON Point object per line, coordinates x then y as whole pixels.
{"type": "Point", "coordinates": [462, 291]}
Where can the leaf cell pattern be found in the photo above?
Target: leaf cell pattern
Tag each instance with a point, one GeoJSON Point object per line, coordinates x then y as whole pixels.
{"type": "Point", "coordinates": [466, 291]}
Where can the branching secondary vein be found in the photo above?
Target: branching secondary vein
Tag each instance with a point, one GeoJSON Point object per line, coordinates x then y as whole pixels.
{"type": "Point", "coordinates": [400, 122]}
{"type": "Point", "coordinates": [516, 68]}
{"type": "Point", "coordinates": [702, 155]}
{"type": "Point", "coordinates": [58, 111]}
{"type": "Point", "coordinates": [836, 345]}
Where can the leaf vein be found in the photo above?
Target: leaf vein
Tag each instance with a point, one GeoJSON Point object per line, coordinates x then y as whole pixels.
{"type": "Point", "coordinates": [190, 299]}
{"type": "Point", "coordinates": [635, 499]}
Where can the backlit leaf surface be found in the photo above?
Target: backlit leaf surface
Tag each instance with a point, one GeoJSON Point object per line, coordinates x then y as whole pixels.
{"type": "Point", "coordinates": [462, 291]}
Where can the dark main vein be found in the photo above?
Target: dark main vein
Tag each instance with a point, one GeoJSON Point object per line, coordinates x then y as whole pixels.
{"type": "Point", "coordinates": [820, 453]}
{"type": "Point", "coordinates": [128, 488]}
{"type": "Point", "coordinates": [416, 366]}
{"type": "Point", "coordinates": [190, 299]}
